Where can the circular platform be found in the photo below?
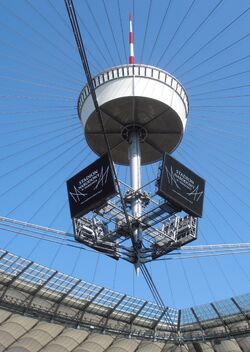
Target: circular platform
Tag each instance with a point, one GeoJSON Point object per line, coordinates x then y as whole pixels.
{"type": "Point", "coordinates": [137, 95]}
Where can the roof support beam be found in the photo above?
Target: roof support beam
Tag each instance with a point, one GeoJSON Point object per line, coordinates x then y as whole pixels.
{"type": "Point", "coordinates": [221, 319]}
{"type": "Point", "coordinates": [198, 321]}
{"type": "Point", "coordinates": [241, 310]}
{"type": "Point", "coordinates": [40, 287]}
{"type": "Point", "coordinates": [137, 313]}
{"type": "Point", "coordinates": [111, 310]}
{"type": "Point", "coordinates": [87, 305]}
{"type": "Point", "coordinates": [154, 326]}
{"type": "Point", "coordinates": [14, 278]}
{"type": "Point", "coordinates": [57, 304]}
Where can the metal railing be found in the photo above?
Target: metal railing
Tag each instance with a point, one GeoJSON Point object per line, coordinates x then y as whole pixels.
{"type": "Point", "coordinates": [143, 71]}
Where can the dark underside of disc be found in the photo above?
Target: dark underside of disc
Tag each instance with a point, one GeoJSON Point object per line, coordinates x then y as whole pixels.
{"type": "Point", "coordinates": [162, 124]}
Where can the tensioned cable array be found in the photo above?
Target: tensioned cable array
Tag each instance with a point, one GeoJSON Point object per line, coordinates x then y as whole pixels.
{"type": "Point", "coordinates": [50, 234]}
{"type": "Point", "coordinates": [203, 134]}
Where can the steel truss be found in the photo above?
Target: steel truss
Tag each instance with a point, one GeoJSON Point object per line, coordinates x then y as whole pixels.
{"type": "Point", "coordinates": [163, 228]}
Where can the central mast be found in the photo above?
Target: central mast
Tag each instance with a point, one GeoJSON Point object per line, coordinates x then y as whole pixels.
{"type": "Point", "coordinates": [134, 157]}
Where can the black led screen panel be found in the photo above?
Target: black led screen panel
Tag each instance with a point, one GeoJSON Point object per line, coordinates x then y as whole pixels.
{"type": "Point", "coordinates": [181, 186]}
{"type": "Point", "coordinates": [91, 187]}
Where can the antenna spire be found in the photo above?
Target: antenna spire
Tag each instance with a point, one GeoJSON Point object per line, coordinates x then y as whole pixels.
{"type": "Point", "coordinates": [131, 42]}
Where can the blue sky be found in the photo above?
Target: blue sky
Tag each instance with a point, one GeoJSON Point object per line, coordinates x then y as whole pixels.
{"type": "Point", "coordinates": [205, 44]}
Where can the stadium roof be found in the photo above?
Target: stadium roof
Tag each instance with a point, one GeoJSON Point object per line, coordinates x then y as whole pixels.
{"type": "Point", "coordinates": [105, 317]}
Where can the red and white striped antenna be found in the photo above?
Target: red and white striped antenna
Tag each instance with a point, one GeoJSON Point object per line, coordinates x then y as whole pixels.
{"type": "Point", "coordinates": [131, 42]}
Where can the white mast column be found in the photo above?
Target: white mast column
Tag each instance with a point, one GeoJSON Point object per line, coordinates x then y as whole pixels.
{"type": "Point", "coordinates": [134, 155]}
{"type": "Point", "coordinates": [135, 169]}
